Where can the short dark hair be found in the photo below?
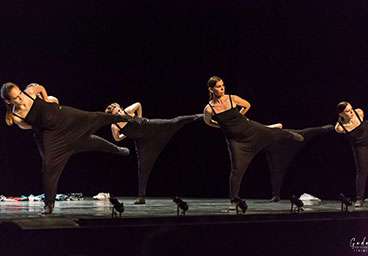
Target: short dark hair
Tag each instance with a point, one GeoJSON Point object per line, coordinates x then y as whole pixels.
{"type": "Point", "coordinates": [213, 80]}
{"type": "Point", "coordinates": [5, 89]}
{"type": "Point", "coordinates": [341, 106]}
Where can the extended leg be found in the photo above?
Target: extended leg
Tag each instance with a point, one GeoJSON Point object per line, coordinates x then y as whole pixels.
{"type": "Point", "coordinates": [98, 144]}
{"type": "Point", "coordinates": [281, 154]}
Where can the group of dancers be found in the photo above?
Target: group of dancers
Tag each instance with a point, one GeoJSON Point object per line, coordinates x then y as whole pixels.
{"type": "Point", "coordinates": [61, 131]}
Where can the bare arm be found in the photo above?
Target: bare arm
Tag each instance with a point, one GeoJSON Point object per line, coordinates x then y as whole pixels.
{"type": "Point", "coordinates": [338, 128]}
{"type": "Point", "coordinates": [135, 108]}
{"type": "Point", "coordinates": [277, 126]}
{"type": "Point", "coordinates": [241, 102]}
{"type": "Point", "coordinates": [207, 118]}
{"type": "Point", "coordinates": [21, 124]}
{"type": "Point", "coordinates": [116, 133]}
{"type": "Point", "coordinates": [360, 113]}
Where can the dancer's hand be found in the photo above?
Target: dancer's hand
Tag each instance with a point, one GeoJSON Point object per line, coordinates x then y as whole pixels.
{"type": "Point", "coordinates": [278, 126]}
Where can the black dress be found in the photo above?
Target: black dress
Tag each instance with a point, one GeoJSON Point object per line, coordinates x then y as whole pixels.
{"type": "Point", "coordinates": [280, 155]}
{"type": "Point", "coordinates": [358, 138]}
{"type": "Point", "coordinates": [245, 138]}
{"type": "Point", "coordinates": [150, 137]}
{"type": "Point", "coordinates": [61, 131]}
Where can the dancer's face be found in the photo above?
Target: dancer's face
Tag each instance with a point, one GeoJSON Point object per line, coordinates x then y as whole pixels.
{"type": "Point", "coordinates": [16, 96]}
{"type": "Point", "coordinates": [348, 112]}
{"type": "Point", "coordinates": [115, 109]}
{"type": "Point", "coordinates": [218, 89]}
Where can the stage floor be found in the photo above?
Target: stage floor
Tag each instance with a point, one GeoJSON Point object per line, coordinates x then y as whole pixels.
{"type": "Point", "coordinates": [160, 207]}
{"type": "Point", "coordinates": [86, 228]}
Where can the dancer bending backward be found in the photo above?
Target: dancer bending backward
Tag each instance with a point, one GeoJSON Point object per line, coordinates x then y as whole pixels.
{"type": "Point", "coordinates": [245, 138]}
{"type": "Point", "coordinates": [60, 131]}
{"type": "Point", "coordinates": [150, 137]}
{"type": "Point", "coordinates": [351, 122]}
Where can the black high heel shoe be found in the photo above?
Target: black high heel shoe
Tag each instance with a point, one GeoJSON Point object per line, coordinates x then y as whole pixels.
{"type": "Point", "coordinates": [140, 200]}
{"type": "Point", "coordinates": [240, 204]}
{"type": "Point", "coordinates": [275, 199]}
{"type": "Point", "coordinates": [48, 209]}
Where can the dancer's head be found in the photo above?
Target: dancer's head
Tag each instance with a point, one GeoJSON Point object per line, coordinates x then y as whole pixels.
{"type": "Point", "coordinates": [216, 87]}
{"type": "Point", "coordinates": [345, 110]}
{"type": "Point", "coordinates": [11, 95]}
{"type": "Point", "coordinates": [113, 108]}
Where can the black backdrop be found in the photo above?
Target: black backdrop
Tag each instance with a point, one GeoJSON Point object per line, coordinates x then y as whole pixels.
{"type": "Point", "coordinates": [293, 60]}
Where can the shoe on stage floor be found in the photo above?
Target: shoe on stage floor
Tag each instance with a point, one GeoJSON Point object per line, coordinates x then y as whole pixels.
{"type": "Point", "coordinates": [47, 209]}
{"type": "Point", "coordinates": [275, 199]}
{"type": "Point", "coordinates": [140, 200]}
{"type": "Point", "coordinates": [359, 203]}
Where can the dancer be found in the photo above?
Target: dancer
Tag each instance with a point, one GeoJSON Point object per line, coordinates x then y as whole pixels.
{"type": "Point", "coordinates": [60, 131]}
{"type": "Point", "coordinates": [245, 138]}
{"type": "Point", "coordinates": [150, 137]}
{"type": "Point", "coordinates": [351, 122]}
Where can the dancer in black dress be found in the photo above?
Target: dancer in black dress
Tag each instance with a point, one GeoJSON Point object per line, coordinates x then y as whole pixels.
{"type": "Point", "coordinates": [244, 137]}
{"type": "Point", "coordinates": [351, 122]}
{"type": "Point", "coordinates": [150, 137]}
{"type": "Point", "coordinates": [60, 131]}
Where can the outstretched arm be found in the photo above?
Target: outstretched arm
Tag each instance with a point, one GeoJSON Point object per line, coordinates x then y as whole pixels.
{"type": "Point", "coordinates": [207, 118]}
{"type": "Point", "coordinates": [241, 102]}
{"type": "Point", "coordinates": [135, 108]}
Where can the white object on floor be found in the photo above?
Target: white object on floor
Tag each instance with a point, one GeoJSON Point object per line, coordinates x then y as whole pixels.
{"type": "Point", "coordinates": [102, 196]}
{"type": "Point", "coordinates": [310, 200]}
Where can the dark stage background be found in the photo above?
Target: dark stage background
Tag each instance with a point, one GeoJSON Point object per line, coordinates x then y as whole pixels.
{"type": "Point", "coordinates": [293, 60]}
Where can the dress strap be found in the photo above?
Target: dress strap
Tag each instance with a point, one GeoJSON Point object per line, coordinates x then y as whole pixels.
{"type": "Point", "coordinates": [342, 125]}
{"type": "Point", "coordinates": [28, 96]}
{"type": "Point", "coordinates": [360, 120]}
{"type": "Point", "coordinates": [17, 115]}
{"type": "Point", "coordinates": [213, 110]}
{"type": "Point", "coordinates": [118, 126]}
{"type": "Point", "coordinates": [231, 101]}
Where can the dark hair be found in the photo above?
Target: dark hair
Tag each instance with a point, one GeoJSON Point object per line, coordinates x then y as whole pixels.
{"type": "Point", "coordinates": [212, 83]}
{"type": "Point", "coordinates": [341, 106]}
{"type": "Point", "coordinates": [5, 89]}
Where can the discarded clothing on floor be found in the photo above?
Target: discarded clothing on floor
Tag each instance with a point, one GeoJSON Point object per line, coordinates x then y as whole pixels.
{"type": "Point", "coordinates": [32, 198]}
{"type": "Point", "coordinates": [310, 200]}
{"type": "Point", "coordinates": [102, 196]}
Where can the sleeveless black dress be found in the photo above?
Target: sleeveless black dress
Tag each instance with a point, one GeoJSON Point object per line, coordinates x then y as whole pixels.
{"type": "Point", "coordinates": [245, 138]}
{"type": "Point", "coordinates": [358, 138]}
{"type": "Point", "coordinates": [150, 137]}
{"type": "Point", "coordinates": [61, 131]}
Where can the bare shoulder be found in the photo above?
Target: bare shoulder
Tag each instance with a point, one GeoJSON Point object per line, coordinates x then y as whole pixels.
{"type": "Point", "coordinates": [31, 89]}
{"type": "Point", "coordinates": [359, 111]}
{"type": "Point", "coordinates": [236, 98]}
{"type": "Point", "coordinates": [114, 127]}
{"type": "Point", "coordinates": [207, 109]}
